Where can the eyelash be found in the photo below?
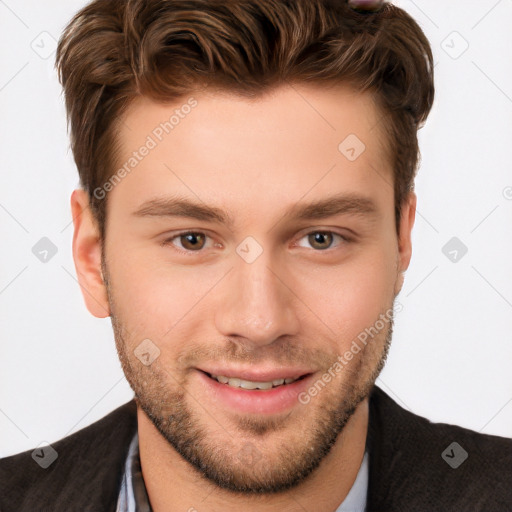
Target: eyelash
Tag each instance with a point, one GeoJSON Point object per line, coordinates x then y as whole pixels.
{"type": "Point", "coordinates": [168, 241]}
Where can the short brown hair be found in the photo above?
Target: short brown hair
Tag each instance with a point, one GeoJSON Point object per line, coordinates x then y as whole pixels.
{"type": "Point", "coordinates": [115, 50]}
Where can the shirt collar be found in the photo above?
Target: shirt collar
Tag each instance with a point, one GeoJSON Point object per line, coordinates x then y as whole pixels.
{"type": "Point", "coordinates": [133, 496]}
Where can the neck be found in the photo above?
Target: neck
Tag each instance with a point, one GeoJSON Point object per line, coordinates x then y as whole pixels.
{"type": "Point", "coordinates": [174, 485]}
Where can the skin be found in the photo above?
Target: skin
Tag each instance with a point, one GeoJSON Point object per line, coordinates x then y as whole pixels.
{"type": "Point", "coordinates": [302, 301]}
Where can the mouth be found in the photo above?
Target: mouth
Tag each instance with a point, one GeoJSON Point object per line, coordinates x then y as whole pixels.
{"type": "Point", "coordinates": [237, 382]}
{"type": "Point", "coordinates": [255, 392]}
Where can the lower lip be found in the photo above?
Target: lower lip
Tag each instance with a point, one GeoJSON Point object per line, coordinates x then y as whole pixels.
{"type": "Point", "coordinates": [257, 401]}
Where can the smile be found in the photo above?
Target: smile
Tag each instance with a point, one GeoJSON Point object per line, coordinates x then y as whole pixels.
{"type": "Point", "coordinates": [269, 394]}
{"type": "Point", "coordinates": [236, 382]}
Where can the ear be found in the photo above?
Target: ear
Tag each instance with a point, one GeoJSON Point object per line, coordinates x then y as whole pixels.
{"type": "Point", "coordinates": [87, 255]}
{"type": "Point", "coordinates": [404, 240]}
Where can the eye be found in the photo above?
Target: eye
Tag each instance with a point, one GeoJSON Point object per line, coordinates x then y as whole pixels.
{"type": "Point", "coordinates": [190, 241]}
{"type": "Point", "coordinates": [195, 241]}
{"type": "Point", "coordinates": [323, 240]}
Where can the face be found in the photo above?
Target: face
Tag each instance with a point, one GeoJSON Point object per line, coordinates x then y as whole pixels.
{"type": "Point", "coordinates": [247, 244]}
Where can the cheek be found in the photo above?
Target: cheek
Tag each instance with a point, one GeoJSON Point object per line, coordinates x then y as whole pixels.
{"type": "Point", "coordinates": [350, 299]}
{"type": "Point", "coordinates": [153, 298]}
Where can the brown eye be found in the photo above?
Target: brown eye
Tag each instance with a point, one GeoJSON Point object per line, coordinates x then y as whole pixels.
{"type": "Point", "coordinates": [192, 241]}
{"type": "Point", "coordinates": [320, 239]}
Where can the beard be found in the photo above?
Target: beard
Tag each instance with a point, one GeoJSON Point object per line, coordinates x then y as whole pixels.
{"type": "Point", "coordinates": [254, 455]}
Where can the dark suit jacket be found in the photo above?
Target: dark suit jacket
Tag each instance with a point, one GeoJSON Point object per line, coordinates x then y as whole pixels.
{"type": "Point", "coordinates": [411, 466]}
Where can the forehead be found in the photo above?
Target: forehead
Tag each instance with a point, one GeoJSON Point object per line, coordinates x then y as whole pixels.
{"type": "Point", "coordinates": [253, 153]}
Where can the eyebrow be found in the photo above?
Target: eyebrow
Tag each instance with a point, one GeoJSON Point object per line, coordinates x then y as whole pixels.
{"type": "Point", "coordinates": [342, 204]}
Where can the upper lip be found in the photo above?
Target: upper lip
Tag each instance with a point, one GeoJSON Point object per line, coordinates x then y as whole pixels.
{"type": "Point", "coordinates": [257, 374]}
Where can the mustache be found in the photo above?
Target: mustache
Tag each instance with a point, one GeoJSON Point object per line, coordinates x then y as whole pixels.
{"type": "Point", "coordinates": [279, 353]}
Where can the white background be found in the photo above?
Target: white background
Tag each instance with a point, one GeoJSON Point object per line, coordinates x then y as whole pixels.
{"type": "Point", "coordinates": [452, 350]}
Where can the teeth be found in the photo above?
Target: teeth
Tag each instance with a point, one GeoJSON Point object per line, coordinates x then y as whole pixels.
{"type": "Point", "coordinates": [247, 384]}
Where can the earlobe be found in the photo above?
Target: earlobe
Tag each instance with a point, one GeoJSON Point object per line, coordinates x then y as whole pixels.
{"type": "Point", "coordinates": [87, 255]}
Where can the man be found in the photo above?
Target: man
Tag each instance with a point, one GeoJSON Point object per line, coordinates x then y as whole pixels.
{"type": "Point", "coordinates": [245, 220]}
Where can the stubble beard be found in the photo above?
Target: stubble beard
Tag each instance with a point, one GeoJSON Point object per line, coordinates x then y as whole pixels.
{"type": "Point", "coordinates": [238, 460]}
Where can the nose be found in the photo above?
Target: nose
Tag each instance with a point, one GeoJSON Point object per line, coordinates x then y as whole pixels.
{"type": "Point", "coordinates": [258, 303]}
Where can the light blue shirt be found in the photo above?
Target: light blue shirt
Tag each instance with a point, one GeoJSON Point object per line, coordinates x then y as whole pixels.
{"type": "Point", "coordinates": [133, 496]}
